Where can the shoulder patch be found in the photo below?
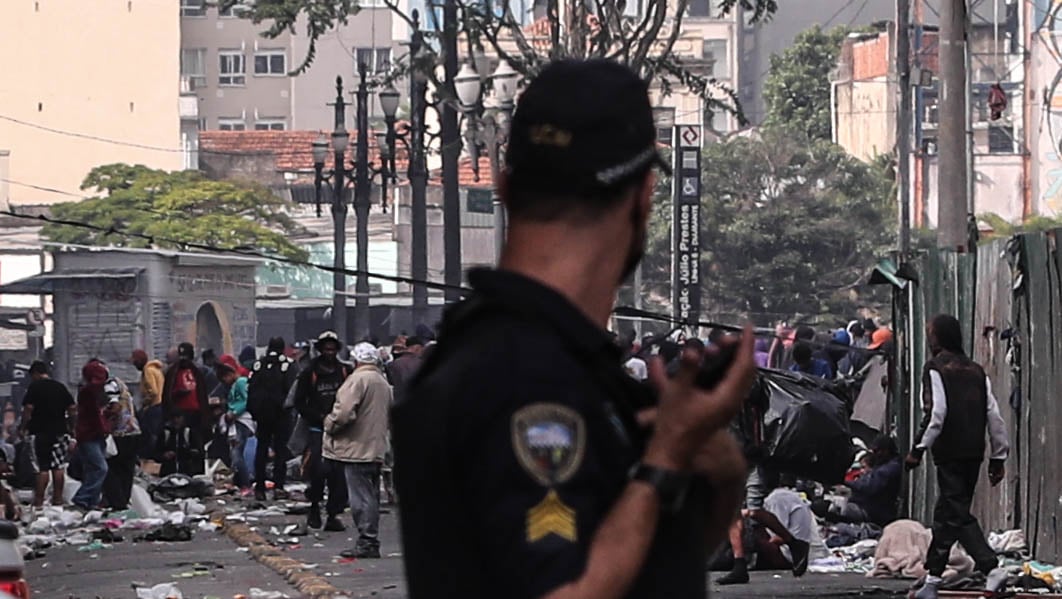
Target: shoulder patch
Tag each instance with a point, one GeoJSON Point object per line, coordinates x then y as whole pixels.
{"type": "Point", "coordinates": [549, 441]}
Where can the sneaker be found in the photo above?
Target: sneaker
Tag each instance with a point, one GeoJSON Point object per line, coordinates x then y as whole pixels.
{"type": "Point", "coordinates": [928, 591]}
{"type": "Point", "coordinates": [313, 520]}
{"type": "Point", "coordinates": [799, 550]}
{"type": "Point", "coordinates": [734, 577]}
{"type": "Point", "coordinates": [360, 553]}
{"type": "Point", "coordinates": [334, 525]}
{"type": "Point", "coordinates": [259, 495]}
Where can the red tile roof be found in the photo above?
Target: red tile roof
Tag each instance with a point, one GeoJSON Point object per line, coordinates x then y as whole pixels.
{"type": "Point", "coordinates": [292, 151]}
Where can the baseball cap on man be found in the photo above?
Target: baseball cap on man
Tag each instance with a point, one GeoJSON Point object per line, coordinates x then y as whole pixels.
{"type": "Point", "coordinates": [581, 126]}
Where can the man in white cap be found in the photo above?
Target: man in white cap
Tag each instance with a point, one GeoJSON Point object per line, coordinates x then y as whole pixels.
{"type": "Point", "coordinates": [355, 435]}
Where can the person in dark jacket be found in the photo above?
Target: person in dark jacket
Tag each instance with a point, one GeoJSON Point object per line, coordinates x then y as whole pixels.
{"type": "Point", "coordinates": [186, 388]}
{"type": "Point", "coordinates": [91, 433]}
{"type": "Point", "coordinates": [270, 380]}
{"type": "Point", "coordinates": [178, 447]}
{"type": "Point", "coordinates": [315, 396]}
{"type": "Point", "coordinates": [958, 409]}
{"type": "Point", "coordinates": [402, 369]}
{"type": "Point", "coordinates": [875, 492]}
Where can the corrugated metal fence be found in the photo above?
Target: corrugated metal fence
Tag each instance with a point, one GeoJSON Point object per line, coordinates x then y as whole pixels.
{"type": "Point", "coordinates": [1009, 298]}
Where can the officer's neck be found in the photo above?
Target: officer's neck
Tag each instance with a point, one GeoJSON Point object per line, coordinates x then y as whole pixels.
{"type": "Point", "coordinates": [583, 264]}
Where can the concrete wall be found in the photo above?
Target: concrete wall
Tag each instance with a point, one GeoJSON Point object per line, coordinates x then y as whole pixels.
{"type": "Point", "coordinates": [103, 69]}
{"type": "Point", "coordinates": [997, 187]}
{"type": "Point", "coordinates": [261, 96]}
{"type": "Point", "coordinates": [336, 54]}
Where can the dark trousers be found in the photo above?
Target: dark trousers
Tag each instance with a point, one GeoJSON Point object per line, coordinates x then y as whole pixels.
{"type": "Point", "coordinates": [325, 472]}
{"type": "Point", "coordinates": [118, 485]}
{"type": "Point", "coordinates": [150, 426]}
{"type": "Point", "coordinates": [952, 520]}
{"type": "Point", "coordinates": [271, 434]}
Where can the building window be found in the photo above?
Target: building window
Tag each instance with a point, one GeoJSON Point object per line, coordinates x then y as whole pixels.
{"type": "Point", "coordinates": [270, 62]}
{"type": "Point", "coordinates": [376, 60]}
{"type": "Point", "coordinates": [665, 124]}
{"type": "Point", "coordinates": [1000, 139]}
{"type": "Point", "coordinates": [705, 9]}
{"type": "Point", "coordinates": [270, 125]}
{"type": "Point", "coordinates": [202, 123]}
{"type": "Point", "coordinates": [232, 68]}
{"type": "Point", "coordinates": [193, 8]}
{"type": "Point", "coordinates": [193, 65]}
{"type": "Point", "coordinates": [231, 124]}
{"type": "Point", "coordinates": [227, 13]}
{"type": "Point", "coordinates": [714, 53]}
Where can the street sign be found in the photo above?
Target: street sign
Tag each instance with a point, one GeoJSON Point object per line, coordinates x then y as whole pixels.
{"type": "Point", "coordinates": [686, 226]}
{"type": "Point", "coordinates": [689, 136]}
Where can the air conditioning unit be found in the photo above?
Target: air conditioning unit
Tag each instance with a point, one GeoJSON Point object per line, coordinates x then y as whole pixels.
{"type": "Point", "coordinates": [274, 291]}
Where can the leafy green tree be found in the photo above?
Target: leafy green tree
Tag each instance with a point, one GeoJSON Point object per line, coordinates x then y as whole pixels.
{"type": "Point", "coordinates": [790, 226]}
{"type": "Point", "coordinates": [797, 88]}
{"type": "Point", "coordinates": [174, 208]}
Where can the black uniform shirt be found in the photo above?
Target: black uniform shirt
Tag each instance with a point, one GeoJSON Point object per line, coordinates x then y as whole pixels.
{"type": "Point", "coordinates": [514, 442]}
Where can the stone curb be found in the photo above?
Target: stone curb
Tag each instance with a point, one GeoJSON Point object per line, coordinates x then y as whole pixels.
{"type": "Point", "coordinates": [310, 584]}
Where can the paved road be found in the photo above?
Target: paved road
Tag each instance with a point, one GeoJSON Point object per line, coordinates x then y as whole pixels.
{"type": "Point", "coordinates": [66, 573]}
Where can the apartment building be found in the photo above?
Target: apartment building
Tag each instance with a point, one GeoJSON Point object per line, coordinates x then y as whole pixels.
{"type": "Point", "coordinates": [86, 83]}
{"type": "Point", "coordinates": [242, 80]}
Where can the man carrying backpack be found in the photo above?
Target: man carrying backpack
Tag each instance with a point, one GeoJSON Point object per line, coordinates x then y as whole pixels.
{"type": "Point", "coordinates": [271, 378]}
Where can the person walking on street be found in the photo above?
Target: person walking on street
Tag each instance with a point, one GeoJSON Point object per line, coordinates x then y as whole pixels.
{"type": "Point", "coordinates": [355, 439]}
{"type": "Point", "coordinates": [48, 415]}
{"type": "Point", "coordinates": [958, 408]}
{"type": "Point", "coordinates": [125, 428]}
{"type": "Point", "coordinates": [186, 389]}
{"type": "Point", "coordinates": [239, 424]}
{"type": "Point", "coordinates": [315, 397]}
{"type": "Point", "coordinates": [152, 380]}
{"type": "Point", "coordinates": [271, 378]}
{"type": "Point", "coordinates": [530, 463]}
{"type": "Point", "coordinates": [91, 433]}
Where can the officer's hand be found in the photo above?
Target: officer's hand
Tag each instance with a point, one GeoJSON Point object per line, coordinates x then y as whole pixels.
{"type": "Point", "coordinates": [720, 458]}
{"type": "Point", "coordinates": [996, 472]}
{"type": "Point", "coordinates": [688, 416]}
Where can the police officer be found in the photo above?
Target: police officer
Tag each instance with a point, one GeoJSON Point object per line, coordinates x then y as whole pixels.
{"type": "Point", "coordinates": [529, 463]}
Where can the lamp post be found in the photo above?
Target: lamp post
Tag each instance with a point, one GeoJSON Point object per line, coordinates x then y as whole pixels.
{"type": "Point", "coordinates": [412, 137]}
{"type": "Point", "coordinates": [338, 177]}
{"type": "Point", "coordinates": [487, 123]}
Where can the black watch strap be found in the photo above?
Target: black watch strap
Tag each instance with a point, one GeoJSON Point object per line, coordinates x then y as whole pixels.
{"type": "Point", "coordinates": [670, 485]}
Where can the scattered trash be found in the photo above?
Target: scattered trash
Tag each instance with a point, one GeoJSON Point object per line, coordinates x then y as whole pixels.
{"type": "Point", "coordinates": [166, 590]}
{"type": "Point", "coordinates": [168, 532]}
{"type": "Point", "coordinates": [257, 593]}
{"type": "Point", "coordinates": [94, 546]}
{"type": "Point", "coordinates": [107, 535]}
{"type": "Point", "coordinates": [181, 486]}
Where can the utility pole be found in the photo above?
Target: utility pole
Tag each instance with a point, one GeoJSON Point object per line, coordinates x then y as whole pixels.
{"type": "Point", "coordinates": [418, 177]}
{"type": "Point", "coordinates": [903, 124]}
{"type": "Point", "coordinates": [340, 138]}
{"type": "Point", "coordinates": [451, 153]}
{"type": "Point", "coordinates": [952, 157]}
{"type": "Point", "coordinates": [361, 210]}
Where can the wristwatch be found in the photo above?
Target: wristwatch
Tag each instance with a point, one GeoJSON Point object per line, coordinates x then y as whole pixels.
{"type": "Point", "coordinates": [670, 485]}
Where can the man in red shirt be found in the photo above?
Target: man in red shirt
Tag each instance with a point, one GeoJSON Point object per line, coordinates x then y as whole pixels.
{"type": "Point", "coordinates": [91, 434]}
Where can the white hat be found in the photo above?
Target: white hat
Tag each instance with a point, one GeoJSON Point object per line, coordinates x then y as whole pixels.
{"type": "Point", "coordinates": [365, 353]}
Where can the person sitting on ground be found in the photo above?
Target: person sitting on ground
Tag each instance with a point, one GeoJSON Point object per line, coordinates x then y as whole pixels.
{"type": "Point", "coordinates": [795, 516]}
{"type": "Point", "coordinates": [178, 446]}
{"type": "Point", "coordinates": [797, 550]}
{"type": "Point", "coordinates": [804, 362]}
{"type": "Point", "coordinates": [875, 492]}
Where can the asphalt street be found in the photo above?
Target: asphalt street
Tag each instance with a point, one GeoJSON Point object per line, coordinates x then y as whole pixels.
{"type": "Point", "coordinates": [211, 566]}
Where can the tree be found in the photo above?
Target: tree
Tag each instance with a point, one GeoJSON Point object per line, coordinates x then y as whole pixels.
{"type": "Point", "coordinates": [790, 226]}
{"type": "Point", "coordinates": [598, 29]}
{"type": "Point", "coordinates": [797, 88]}
{"type": "Point", "coordinates": [172, 208]}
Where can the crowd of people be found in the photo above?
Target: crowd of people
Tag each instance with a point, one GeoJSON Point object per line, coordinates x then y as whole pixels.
{"type": "Point", "coordinates": [305, 408]}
